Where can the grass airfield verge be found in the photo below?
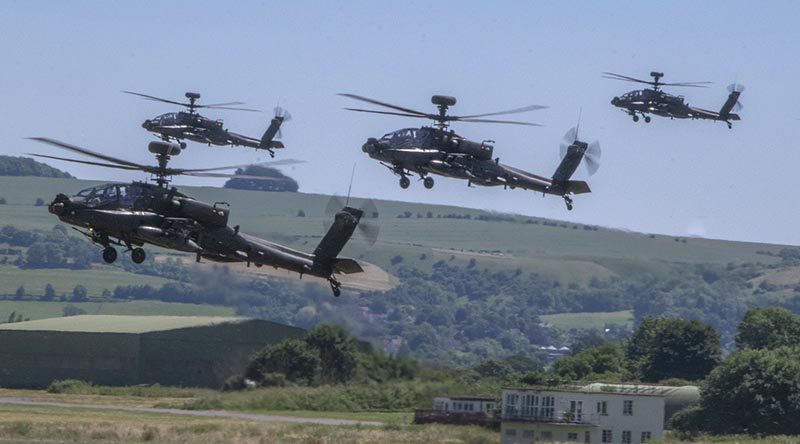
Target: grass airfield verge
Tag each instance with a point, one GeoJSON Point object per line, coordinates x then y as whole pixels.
{"type": "Point", "coordinates": [53, 424]}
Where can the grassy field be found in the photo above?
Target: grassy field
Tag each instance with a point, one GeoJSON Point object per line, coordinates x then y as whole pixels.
{"type": "Point", "coordinates": [64, 280]}
{"type": "Point", "coordinates": [26, 424]}
{"type": "Point", "coordinates": [42, 310]}
{"type": "Point", "coordinates": [589, 320]}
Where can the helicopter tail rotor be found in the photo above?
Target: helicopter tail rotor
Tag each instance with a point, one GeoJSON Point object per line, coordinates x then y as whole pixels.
{"type": "Point", "coordinates": [367, 227]}
{"type": "Point", "coordinates": [591, 151]}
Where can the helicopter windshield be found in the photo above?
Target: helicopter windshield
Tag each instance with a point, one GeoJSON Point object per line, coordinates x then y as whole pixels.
{"type": "Point", "coordinates": [167, 119]}
{"type": "Point", "coordinates": [121, 194]}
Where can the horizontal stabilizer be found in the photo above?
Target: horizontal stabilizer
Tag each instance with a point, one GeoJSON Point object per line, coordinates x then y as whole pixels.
{"type": "Point", "coordinates": [578, 187]}
{"type": "Point", "coordinates": [346, 266]}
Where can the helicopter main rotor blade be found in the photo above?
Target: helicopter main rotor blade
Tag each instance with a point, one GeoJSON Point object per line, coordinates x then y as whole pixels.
{"type": "Point", "coordinates": [221, 175]}
{"type": "Point", "coordinates": [90, 153]}
{"type": "Point", "coordinates": [87, 162]}
{"type": "Point", "coordinates": [509, 122]}
{"type": "Point", "coordinates": [384, 104]}
{"type": "Point", "coordinates": [511, 111]}
{"type": "Point", "coordinates": [387, 112]}
{"type": "Point", "coordinates": [233, 167]}
{"type": "Point", "coordinates": [220, 104]}
{"type": "Point", "coordinates": [228, 108]}
{"type": "Point", "coordinates": [689, 84]}
{"type": "Point", "coordinates": [157, 99]}
{"type": "Point", "coordinates": [611, 75]}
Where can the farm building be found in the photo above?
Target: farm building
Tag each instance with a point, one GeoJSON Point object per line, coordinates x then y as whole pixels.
{"type": "Point", "coordinates": [191, 351]}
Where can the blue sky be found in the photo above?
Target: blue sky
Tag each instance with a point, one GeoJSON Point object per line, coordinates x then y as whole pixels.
{"type": "Point", "coordinates": [65, 64]}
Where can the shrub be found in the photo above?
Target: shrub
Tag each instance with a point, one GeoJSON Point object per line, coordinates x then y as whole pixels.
{"type": "Point", "coordinates": [70, 386]}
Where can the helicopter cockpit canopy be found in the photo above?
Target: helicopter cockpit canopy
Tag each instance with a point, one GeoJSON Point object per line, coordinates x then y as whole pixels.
{"type": "Point", "coordinates": [409, 136]}
{"type": "Point", "coordinates": [167, 119]}
{"type": "Point", "coordinates": [123, 195]}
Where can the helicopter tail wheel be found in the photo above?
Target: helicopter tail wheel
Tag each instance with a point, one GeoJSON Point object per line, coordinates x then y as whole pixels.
{"type": "Point", "coordinates": [404, 182]}
{"type": "Point", "coordinates": [568, 201]}
{"type": "Point", "coordinates": [730, 125]}
{"type": "Point", "coordinates": [647, 119]}
{"type": "Point", "coordinates": [428, 182]}
{"type": "Point", "coordinates": [635, 118]}
{"type": "Point", "coordinates": [138, 255]}
{"type": "Point", "coordinates": [109, 255]}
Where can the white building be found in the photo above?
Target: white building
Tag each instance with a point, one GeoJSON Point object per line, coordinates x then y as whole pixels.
{"type": "Point", "coordinates": [596, 413]}
{"type": "Point", "coordinates": [464, 404]}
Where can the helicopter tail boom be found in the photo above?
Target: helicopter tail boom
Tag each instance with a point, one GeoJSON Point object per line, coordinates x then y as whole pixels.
{"type": "Point", "coordinates": [267, 141]}
{"type": "Point", "coordinates": [337, 237]}
{"type": "Point", "coordinates": [730, 104]}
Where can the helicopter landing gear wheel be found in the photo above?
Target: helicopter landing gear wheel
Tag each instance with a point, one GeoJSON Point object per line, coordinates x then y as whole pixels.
{"type": "Point", "coordinates": [404, 182]}
{"type": "Point", "coordinates": [109, 255]}
{"type": "Point", "coordinates": [138, 255]}
{"type": "Point", "coordinates": [335, 287]}
{"type": "Point", "coordinates": [183, 145]}
{"type": "Point", "coordinates": [568, 202]}
{"type": "Point", "coordinates": [428, 182]}
{"type": "Point", "coordinates": [635, 118]}
{"type": "Point", "coordinates": [730, 125]}
{"type": "Point", "coordinates": [647, 119]}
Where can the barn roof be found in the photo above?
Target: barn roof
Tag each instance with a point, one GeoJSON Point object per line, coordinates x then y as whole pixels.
{"type": "Point", "coordinates": [120, 324]}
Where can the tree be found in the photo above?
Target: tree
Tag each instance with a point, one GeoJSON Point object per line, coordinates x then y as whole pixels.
{"type": "Point", "coordinates": [79, 294]}
{"type": "Point", "coordinates": [768, 328]}
{"type": "Point", "coordinates": [663, 348]}
{"type": "Point", "coordinates": [20, 293]}
{"type": "Point", "coordinates": [278, 181]}
{"type": "Point", "coordinates": [336, 350]}
{"type": "Point", "coordinates": [293, 358]}
{"type": "Point", "coordinates": [494, 369]}
{"type": "Point", "coordinates": [606, 362]}
{"type": "Point", "coordinates": [754, 391]}
{"type": "Point", "coordinates": [49, 293]}
{"type": "Point", "coordinates": [39, 202]}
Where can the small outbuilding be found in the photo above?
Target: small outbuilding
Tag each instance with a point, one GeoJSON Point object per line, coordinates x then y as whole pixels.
{"type": "Point", "coordinates": [189, 351]}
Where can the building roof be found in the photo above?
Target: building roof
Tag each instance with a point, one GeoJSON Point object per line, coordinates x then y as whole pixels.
{"type": "Point", "coordinates": [119, 324]}
{"type": "Point", "coordinates": [467, 398]}
{"type": "Point", "coordinates": [687, 391]}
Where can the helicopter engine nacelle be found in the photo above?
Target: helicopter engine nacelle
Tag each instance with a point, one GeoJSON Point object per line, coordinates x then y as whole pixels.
{"type": "Point", "coordinates": [481, 151]}
{"type": "Point", "coordinates": [164, 148]}
{"type": "Point", "coordinates": [204, 213]}
{"type": "Point", "coordinates": [443, 100]}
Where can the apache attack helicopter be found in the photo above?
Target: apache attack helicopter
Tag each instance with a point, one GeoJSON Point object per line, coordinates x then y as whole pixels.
{"type": "Point", "coordinates": [430, 150]}
{"type": "Point", "coordinates": [130, 215]}
{"type": "Point", "coordinates": [655, 101]}
{"type": "Point", "coordinates": [191, 125]}
{"type": "Point", "coordinates": [493, 173]}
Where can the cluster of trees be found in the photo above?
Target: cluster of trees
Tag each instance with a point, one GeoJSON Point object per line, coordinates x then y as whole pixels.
{"type": "Point", "coordinates": [53, 249]}
{"type": "Point", "coordinates": [755, 389]}
{"type": "Point", "coordinates": [277, 182]}
{"type": "Point", "coordinates": [25, 166]}
{"type": "Point", "coordinates": [328, 354]}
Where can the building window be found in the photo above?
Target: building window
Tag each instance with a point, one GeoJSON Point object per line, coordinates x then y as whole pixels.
{"type": "Point", "coordinates": [626, 437]}
{"type": "Point", "coordinates": [646, 436]}
{"type": "Point", "coordinates": [587, 437]}
{"type": "Point", "coordinates": [528, 433]}
{"type": "Point", "coordinates": [607, 437]}
{"type": "Point", "coordinates": [627, 408]}
{"type": "Point", "coordinates": [511, 432]}
{"type": "Point", "coordinates": [572, 436]}
{"type": "Point", "coordinates": [602, 408]}
{"type": "Point", "coordinates": [547, 435]}
{"type": "Point", "coordinates": [548, 403]}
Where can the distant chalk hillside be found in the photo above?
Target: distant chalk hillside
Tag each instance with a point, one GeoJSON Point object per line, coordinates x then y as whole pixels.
{"type": "Point", "coordinates": [25, 166]}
